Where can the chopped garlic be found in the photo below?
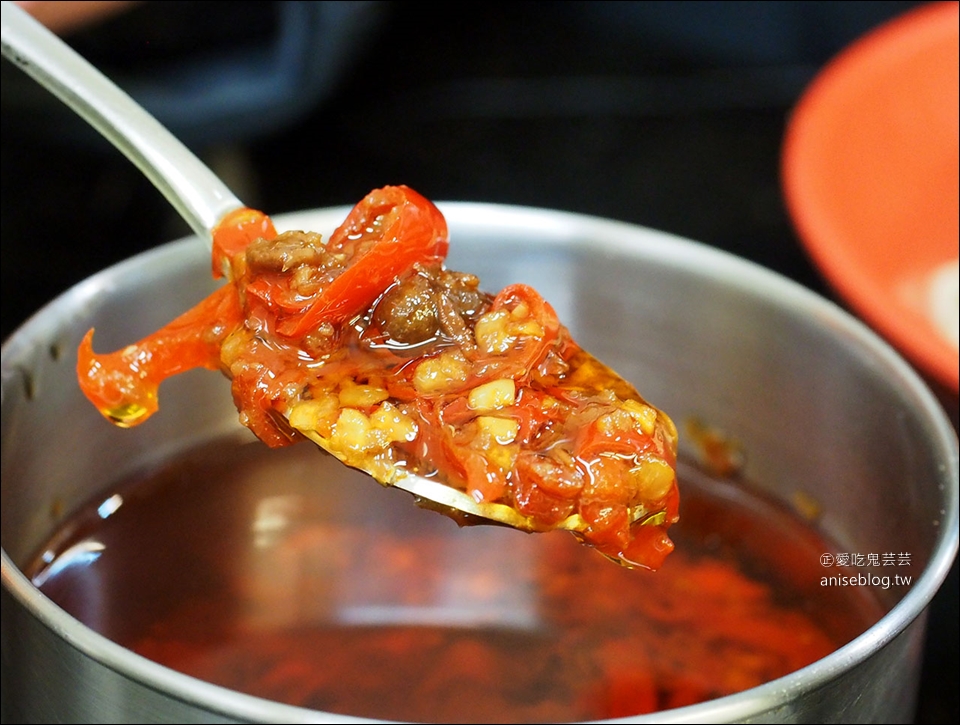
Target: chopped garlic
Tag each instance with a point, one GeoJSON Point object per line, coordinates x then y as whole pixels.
{"type": "Point", "coordinates": [643, 414]}
{"type": "Point", "coordinates": [502, 430]}
{"type": "Point", "coordinates": [361, 396]}
{"type": "Point", "coordinates": [493, 395]}
{"type": "Point", "coordinates": [441, 374]}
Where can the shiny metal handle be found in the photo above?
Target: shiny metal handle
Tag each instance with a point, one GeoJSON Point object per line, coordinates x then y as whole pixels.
{"type": "Point", "coordinates": [197, 194]}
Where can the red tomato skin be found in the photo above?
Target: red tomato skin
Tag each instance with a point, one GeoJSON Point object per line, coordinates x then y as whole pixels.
{"type": "Point", "coordinates": [123, 384]}
{"type": "Point", "coordinates": [234, 232]}
{"type": "Point", "coordinates": [414, 231]}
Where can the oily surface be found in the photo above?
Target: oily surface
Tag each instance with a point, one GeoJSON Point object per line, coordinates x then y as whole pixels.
{"type": "Point", "coordinates": [245, 567]}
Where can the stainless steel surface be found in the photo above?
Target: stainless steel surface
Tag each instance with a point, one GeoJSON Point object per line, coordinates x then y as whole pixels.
{"type": "Point", "coordinates": [820, 404]}
{"type": "Point", "coordinates": [194, 191]}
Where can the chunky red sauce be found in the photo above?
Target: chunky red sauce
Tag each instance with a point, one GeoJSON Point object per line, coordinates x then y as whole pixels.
{"type": "Point", "coordinates": [369, 346]}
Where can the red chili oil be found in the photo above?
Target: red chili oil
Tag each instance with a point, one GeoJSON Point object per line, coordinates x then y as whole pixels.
{"type": "Point", "coordinates": [282, 574]}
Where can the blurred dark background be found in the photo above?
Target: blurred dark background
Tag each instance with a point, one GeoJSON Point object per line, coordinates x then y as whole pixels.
{"type": "Point", "coordinates": [665, 114]}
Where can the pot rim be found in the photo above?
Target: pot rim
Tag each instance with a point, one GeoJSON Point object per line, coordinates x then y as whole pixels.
{"type": "Point", "coordinates": [616, 236]}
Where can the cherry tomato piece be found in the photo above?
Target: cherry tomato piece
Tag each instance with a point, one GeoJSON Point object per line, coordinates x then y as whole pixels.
{"type": "Point", "coordinates": [123, 384]}
{"type": "Point", "coordinates": [384, 236]}
{"type": "Point", "coordinates": [234, 232]}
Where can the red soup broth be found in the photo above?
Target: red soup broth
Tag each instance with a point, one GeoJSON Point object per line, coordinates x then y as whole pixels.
{"type": "Point", "coordinates": [282, 574]}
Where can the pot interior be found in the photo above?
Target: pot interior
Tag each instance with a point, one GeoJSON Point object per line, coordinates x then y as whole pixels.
{"type": "Point", "coordinates": [839, 451]}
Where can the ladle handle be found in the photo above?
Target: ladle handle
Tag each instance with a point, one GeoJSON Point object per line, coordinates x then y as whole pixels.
{"type": "Point", "coordinates": [197, 194]}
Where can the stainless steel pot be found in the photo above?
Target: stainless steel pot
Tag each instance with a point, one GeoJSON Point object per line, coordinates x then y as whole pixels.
{"type": "Point", "coordinates": [818, 402]}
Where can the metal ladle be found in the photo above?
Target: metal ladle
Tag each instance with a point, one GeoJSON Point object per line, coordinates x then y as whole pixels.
{"type": "Point", "coordinates": [197, 194]}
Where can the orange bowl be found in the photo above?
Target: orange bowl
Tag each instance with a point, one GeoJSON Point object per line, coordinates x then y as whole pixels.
{"type": "Point", "coordinates": [871, 163]}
